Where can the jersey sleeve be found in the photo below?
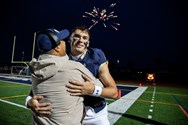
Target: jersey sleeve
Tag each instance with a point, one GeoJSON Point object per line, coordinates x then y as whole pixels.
{"type": "Point", "coordinates": [99, 56]}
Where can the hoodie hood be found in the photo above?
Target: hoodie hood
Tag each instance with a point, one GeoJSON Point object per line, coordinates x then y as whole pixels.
{"type": "Point", "coordinates": [46, 66]}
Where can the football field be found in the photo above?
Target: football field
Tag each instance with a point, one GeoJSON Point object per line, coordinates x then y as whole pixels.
{"type": "Point", "coordinates": [138, 105]}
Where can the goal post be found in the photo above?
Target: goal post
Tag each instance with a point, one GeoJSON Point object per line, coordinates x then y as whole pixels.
{"type": "Point", "coordinates": [19, 68]}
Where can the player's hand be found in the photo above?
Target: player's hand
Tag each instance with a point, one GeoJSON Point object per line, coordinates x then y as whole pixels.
{"type": "Point", "coordinates": [77, 88]}
{"type": "Point", "coordinates": [40, 106]}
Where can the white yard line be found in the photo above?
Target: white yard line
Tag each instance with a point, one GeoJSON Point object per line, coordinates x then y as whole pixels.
{"type": "Point", "coordinates": [119, 107]}
{"type": "Point", "coordinates": [151, 106]}
{"type": "Point", "coordinates": [14, 104]}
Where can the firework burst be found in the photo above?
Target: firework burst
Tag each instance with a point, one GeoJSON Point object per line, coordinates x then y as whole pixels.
{"type": "Point", "coordinates": [105, 16]}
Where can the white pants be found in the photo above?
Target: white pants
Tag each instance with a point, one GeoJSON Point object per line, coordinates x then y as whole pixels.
{"type": "Point", "coordinates": [99, 118]}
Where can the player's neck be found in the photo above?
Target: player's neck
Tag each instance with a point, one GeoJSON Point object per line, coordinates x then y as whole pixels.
{"type": "Point", "coordinates": [81, 56]}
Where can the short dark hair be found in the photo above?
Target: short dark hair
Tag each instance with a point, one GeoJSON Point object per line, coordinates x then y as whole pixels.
{"type": "Point", "coordinates": [82, 28]}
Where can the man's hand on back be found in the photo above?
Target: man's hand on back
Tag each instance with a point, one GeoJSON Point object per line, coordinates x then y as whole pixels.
{"type": "Point", "coordinates": [40, 106]}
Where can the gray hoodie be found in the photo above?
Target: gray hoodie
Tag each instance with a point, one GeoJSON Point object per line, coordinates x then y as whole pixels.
{"type": "Point", "coordinates": [50, 74]}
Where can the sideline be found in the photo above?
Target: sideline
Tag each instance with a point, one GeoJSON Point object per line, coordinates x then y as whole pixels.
{"type": "Point", "coordinates": [18, 105]}
{"type": "Point", "coordinates": [120, 106]}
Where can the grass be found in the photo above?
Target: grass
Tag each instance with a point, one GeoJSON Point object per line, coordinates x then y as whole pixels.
{"type": "Point", "coordinates": [11, 114]}
{"type": "Point", "coordinates": [170, 106]}
{"type": "Point", "coordinates": [165, 111]}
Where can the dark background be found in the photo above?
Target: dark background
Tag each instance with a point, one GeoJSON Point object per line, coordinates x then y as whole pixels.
{"type": "Point", "coordinates": [151, 37]}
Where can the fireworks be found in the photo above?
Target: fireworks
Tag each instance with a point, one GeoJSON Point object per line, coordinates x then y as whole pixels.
{"type": "Point", "coordinates": [106, 17]}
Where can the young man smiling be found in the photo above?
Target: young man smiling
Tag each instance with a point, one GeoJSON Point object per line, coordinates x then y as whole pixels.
{"type": "Point", "coordinates": [93, 59]}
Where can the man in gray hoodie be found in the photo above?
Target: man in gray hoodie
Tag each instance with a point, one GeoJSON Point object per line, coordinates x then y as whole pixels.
{"type": "Point", "coordinates": [51, 72]}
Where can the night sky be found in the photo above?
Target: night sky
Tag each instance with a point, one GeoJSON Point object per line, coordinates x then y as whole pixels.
{"type": "Point", "coordinates": [151, 34]}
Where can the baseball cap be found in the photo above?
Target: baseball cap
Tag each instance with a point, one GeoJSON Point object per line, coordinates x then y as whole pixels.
{"type": "Point", "coordinates": [50, 38]}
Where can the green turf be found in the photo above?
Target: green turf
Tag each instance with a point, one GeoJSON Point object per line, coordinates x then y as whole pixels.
{"type": "Point", "coordinates": [12, 89]}
{"type": "Point", "coordinates": [12, 115]}
{"type": "Point", "coordinates": [166, 109]}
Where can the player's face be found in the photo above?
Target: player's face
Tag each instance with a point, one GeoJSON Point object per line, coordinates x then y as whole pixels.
{"type": "Point", "coordinates": [79, 42]}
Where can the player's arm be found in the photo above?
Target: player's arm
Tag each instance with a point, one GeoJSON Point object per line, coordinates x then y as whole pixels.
{"type": "Point", "coordinates": [77, 88]}
{"type": "Point", "coordinates": [110, 89]}
{"type": "Point", "coordinates": [89, 87]}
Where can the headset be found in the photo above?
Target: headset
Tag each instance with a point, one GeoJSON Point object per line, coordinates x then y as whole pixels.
{"type": "Point", "coordinates": [52, 36]}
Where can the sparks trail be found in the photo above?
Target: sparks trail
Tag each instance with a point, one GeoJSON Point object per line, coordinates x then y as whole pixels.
{"type": "Point", "coordinates": [104, 16]}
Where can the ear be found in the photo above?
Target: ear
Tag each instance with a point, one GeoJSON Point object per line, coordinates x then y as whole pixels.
{"type": "Point", "coordinates": [57, 48]}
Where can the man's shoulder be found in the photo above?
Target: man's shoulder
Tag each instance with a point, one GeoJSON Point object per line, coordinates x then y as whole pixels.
{"type": "Point", "coordinates": [97, 55]}
{"type": "Point", "coordinates": [95, 50]}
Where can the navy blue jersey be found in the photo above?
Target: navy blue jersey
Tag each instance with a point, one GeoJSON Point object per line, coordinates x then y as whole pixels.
{"type": "Point", "coordinates": [93, 59]}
